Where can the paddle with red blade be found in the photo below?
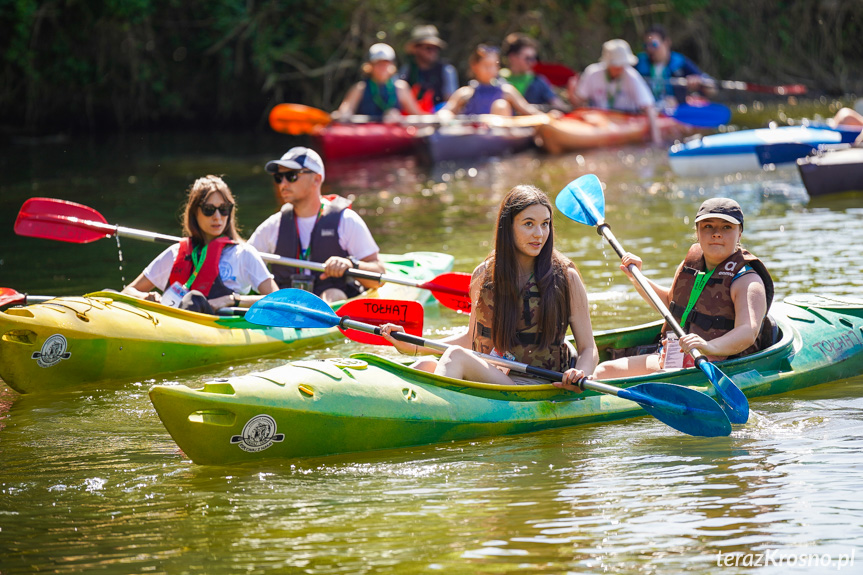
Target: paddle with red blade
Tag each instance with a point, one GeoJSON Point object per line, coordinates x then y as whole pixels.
{"type": "Point", "coordinates": [64, 221]}
{"type": "Point", "coordinates": [9, 296]}
{"type": "Point", "coordinates": [682, 408]}
{"type": "Point", "coordinates": [559, 75]}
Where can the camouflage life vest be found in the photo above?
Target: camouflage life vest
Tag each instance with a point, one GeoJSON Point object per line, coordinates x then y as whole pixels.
{"type": "Point", "coordinates": [713, 314]}
{"type": "Point", "coordinates": [555, 357]}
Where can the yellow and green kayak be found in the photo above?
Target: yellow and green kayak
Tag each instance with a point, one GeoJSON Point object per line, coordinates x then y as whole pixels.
{"type": "Point", "coordinates": [366, 402]}
{"type": "Point", "coordinates": [65, 342]}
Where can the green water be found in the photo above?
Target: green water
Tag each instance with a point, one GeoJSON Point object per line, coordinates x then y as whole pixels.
{"type": "Point", "coordinates": [91, 482]}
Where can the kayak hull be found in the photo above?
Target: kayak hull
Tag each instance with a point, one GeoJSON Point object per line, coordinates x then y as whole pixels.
{"type": "Point", "coordinates": [832, 172]}
{"type": "Point", "coordinates": [67, 342]}
{"type": "Point", "coordinates": [362, 403]}
{"type": "Point", "coordinates": [347, 141]}
{"type": "Point", "coordinates": [750, 150]}
{"type": "Point", "coordinates": [465, 142]}
{"type": "Point", "coordinates": [593, 128]}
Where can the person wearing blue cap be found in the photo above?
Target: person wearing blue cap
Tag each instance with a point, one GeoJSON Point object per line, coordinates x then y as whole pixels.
{"type": "Point", "coordinates": [317, 229]}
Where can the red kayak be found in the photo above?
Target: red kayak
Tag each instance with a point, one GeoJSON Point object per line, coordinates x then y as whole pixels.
{"type": "Point", "coordinates": [594, 128]}
{"type": "Point", "coordinates": [343, 141]}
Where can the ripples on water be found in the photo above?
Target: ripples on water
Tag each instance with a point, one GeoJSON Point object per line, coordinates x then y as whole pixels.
{"type": "Point", "coordinates": [90, 481]}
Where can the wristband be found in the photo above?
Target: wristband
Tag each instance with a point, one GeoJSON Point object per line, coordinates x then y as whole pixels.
{"type": "Point", "coordinates": [355, 263]}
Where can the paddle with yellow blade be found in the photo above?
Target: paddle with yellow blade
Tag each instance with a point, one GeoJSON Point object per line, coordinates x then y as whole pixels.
{"type": "Point", "coordinates": [582, 201]}
{"type": "Point", "coordinates": [682, 408]}
{"type": "Point", "coordinates": [64, 221]}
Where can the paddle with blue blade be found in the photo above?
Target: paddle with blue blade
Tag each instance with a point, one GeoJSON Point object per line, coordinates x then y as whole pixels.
{"type": "Point", "coordinates": [704, 116]}
{"type": "Point", "coordinates": [584, 202]}
{"type": "Point", "coordinates": [682, 408]}
{"type": "Point", "coordinates": [53, 219]}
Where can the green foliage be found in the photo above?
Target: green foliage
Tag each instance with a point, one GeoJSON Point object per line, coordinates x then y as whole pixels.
{"type": "Point", "coordinates": [109, 64]}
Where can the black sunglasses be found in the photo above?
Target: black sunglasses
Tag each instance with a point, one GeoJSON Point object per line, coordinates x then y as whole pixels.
{"type": "Point", "coordinates": [290, 176]}
{"type": "Point", "coordinates": [209, 209]}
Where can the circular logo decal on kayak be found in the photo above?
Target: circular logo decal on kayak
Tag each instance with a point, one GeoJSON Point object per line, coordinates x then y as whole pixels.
{"type": "Point", "coordinates": [348, 362]}
{"type": "Point", "coordinates": [259, 433]}
{"type": "Point", "coordinates": [53, 350]}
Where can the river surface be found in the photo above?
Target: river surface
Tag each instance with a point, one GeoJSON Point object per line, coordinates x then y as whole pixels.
{"type": "Point", "coordinates": [91, 482]}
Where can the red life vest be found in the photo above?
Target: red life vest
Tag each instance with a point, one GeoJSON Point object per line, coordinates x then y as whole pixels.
{"type": "Point", "coordinates": [209, 272]}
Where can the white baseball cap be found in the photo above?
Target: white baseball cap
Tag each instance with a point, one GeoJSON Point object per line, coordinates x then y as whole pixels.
{"type": "Point", "coordinates": [381, 51]}
{"type": "Point", "coordinates": [299, 158]}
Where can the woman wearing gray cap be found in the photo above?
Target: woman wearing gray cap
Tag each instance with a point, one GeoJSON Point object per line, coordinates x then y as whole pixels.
{"type": "Point", "coordinates": [720, 295]}
{"type": "Point", "coordinates": [381, 95]}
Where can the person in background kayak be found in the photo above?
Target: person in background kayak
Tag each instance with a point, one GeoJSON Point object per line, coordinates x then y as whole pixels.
{"type": "Point", "coordinates": [524, 297]}
{"type": "Point", "coordinates": [313, 228]}
{"type": "Point", "coordinates": [848, 118]}
{"type": "Point", "coordinates": [613, 84]}
{"type": "Point", "coordinates": [720, 295]}
{"type": "Point", "coordinates": [431, 79]}
{"type": "Point", "coordinates": [381, 95]}
{"type": "Point", "coordinates": [520, 51]}
{"type": "Point", "coordinates": [658, 64]}
{"type": "Point", "coordinates": [212, 267]}
{"type": "Point", "coordinates": [486, 94]}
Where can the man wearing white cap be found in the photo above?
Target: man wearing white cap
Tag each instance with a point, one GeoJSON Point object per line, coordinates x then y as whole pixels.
{"type": "Point", "coordinates": [316, 229]}
{"type": "Point", "coordinates": [613, 84]}
{"type": "Point", "coordinates": [381, 95]}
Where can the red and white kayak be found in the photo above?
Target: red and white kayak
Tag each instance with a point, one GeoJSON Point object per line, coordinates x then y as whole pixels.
{"type": "Point", "coordinates": [345, 141]}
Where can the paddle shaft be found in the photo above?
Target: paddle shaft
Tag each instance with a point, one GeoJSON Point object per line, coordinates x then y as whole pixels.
{"type": "Point", "coordinates": [548, 374]}
{"type": "Point", "coordinates": [604, 230]}
{"type": "Point", "coordinates": [111, 230]}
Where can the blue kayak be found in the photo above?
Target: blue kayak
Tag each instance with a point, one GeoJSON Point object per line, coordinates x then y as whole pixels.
{"type": "Point", "coordinates": [750, 150]}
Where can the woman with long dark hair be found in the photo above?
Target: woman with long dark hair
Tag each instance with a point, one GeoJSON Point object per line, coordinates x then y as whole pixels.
{"type": "Point", "coordinates": [524, 297]}
{"type": "Point", "coordinates": [212, 267]}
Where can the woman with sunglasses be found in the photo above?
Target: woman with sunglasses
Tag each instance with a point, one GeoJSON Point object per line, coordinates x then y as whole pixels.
{"type": "Point", "coordinates": [658, 64]}
{"type": "Point", "coordinates": [486, 94]}
{"type": "Point", "coordinates": [525, 296]}
{"type": "Point", "coordinates": [212, 265]}
{"type": "Point", "coordinates": [520, 50]}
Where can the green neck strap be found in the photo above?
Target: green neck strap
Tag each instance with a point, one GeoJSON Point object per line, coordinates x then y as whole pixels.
{"type": "Point", "coordinates": [701, 279]}
{"type": "Point", "coordinates": [198, 257]}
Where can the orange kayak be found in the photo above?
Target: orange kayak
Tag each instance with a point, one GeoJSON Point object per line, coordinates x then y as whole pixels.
{"type": "Point", "coordinates": [594, 128]}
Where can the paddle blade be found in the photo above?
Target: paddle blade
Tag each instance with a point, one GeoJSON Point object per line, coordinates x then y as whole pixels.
{"type": "Point", "coordinates": [582, 200]}
{"type": "Point", "coordinates": [706, 116]}
{"type": "Point", "coordinates": [557, 74]}
{"type": "Point", "coordinates": [9, 296]}
{"type": "Point", "coordinates": [53, 219]}
{"type": "Point", "coordinates": [296, 119]}
{"type": "Point", "coordinates": [730, 398]}
{"type": "Point", "coordinates": [451, 290]}
{"type": "Point", "coordinates": [408, 314]}
{"type": "Point", "coordinates": [292, 308]}
{"type": "Point", "coordinates": [682, 408]}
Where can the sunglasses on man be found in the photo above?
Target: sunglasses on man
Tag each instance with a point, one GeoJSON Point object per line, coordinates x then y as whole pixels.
{"type": "Point", "coordinates": [290, 176]}
{"type": "Point", "coordinates": [209, 209]}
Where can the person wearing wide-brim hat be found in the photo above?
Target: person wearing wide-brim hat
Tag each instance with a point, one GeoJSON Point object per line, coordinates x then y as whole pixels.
{"type": "Point", "coordinates": [614, 84]}
{"type": "Point", "coordinates": [432, 80]}
{"type": "Point", "coordinates": [720, 295]}
{"type": "Point", "coordinates": [381, 95]}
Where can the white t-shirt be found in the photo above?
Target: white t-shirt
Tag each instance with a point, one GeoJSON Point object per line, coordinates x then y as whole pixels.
{"type": "Point", "coordinates": [240, 267]}
{"type": "Point", "coordinates": [628, 92]}
{"type": "Point", "coordinates": [354, 235]}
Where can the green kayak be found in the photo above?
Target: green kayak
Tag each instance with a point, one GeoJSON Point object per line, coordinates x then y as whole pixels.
{"type": "Point", "coordinates": [366, 402]}
{"type": "Point", "coordinates": [67, 342]}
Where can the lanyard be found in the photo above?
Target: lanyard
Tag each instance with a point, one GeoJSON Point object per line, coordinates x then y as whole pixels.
{"type": "Point", "coordinates": [390, 101]}
{"type": "Point", "coordinates": [612, 90]}
{"type": "Point", "coordinates": [701, 279]}
{"type": "Point", "coordinates": [305, 254]}
{"type": "Point", "coordinates": [198, 258]}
